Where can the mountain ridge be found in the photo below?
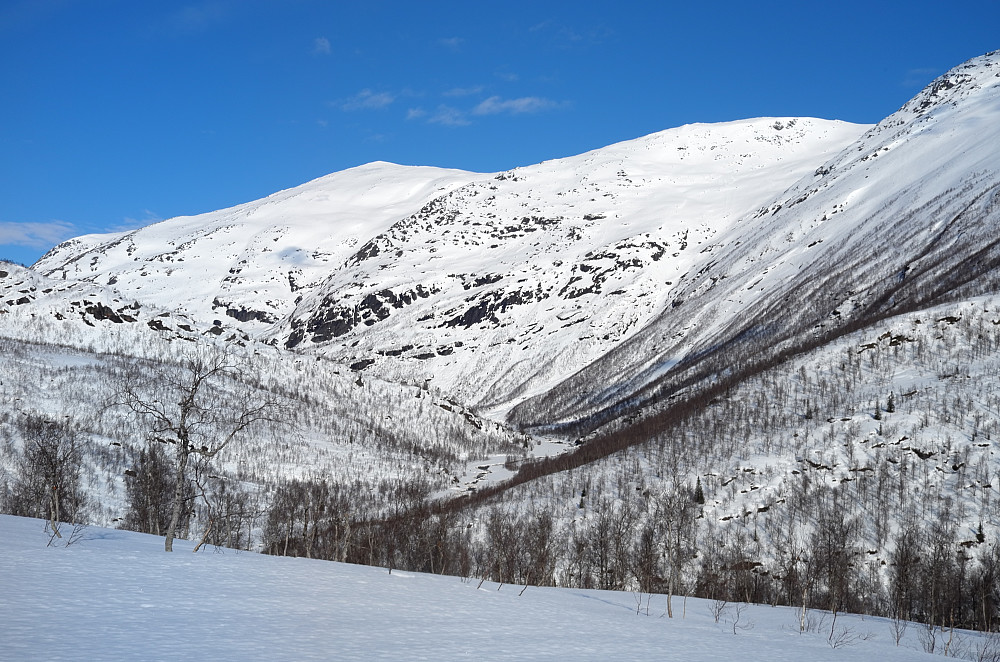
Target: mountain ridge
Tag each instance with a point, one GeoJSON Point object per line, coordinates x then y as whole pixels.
{"type": "Point", "coordinates": [556, 235]}
{"type": "Point", "coordinates": [809, 243]}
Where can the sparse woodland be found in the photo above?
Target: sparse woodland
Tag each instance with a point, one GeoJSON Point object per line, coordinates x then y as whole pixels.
{"type": "Point", "coordinates": [860, 477]}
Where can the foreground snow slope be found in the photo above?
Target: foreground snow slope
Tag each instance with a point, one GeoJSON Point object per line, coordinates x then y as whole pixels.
{"type": "Point", "coordinates": [116, 595]}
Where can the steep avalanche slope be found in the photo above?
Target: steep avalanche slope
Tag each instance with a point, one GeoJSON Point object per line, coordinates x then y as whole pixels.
{"type": "Point", "coordinates": [906, 217]}
{"type": "Point", "coordinates": [505, 286]}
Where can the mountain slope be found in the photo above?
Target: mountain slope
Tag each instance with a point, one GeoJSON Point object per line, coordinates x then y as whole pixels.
{"type": "Point", "coordinates": [490, 287]}
{"type": "Point", "coordinates": [504, 286]}
{"type": "Point", "coordinates": [906, 217]}
{"type": "Point", "coordinates": [252, 261]}
{"type": "Point", "coordinates": [67, 345]}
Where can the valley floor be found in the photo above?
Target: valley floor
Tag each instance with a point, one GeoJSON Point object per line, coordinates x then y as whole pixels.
{"type": "Point", "coordinates": [115, 595]}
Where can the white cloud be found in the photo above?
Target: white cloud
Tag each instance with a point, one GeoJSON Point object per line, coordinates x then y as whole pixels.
{"type": "Point", "coordinates": [367, 100]}
{"type": "Point", "coordinates": [448, 116]}
{"type": "Point", "coordinates": [36, 235]}
{"type": "Point", "coordinates": [464, 91]}
{"type": "Point", "coordinates": [415, 113]}
{"type": "Point", "coordinates": [321, 46]}
{"type": "Point", "coordinates": [496, 105]}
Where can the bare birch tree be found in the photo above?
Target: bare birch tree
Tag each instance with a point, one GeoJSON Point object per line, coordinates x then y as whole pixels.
{"type": "Point", "coordinates": [200, 407]}
{"type": "Point", "coordinates": [47, 483]}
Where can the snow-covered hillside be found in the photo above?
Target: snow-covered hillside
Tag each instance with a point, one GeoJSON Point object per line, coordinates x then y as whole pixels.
{"type": "Point", "coordinates": [503, 287]}
{"type": "Point", "coordinates": [904, 218]}
{"type": "Point", "coordinates": [491, 287]}
{"type": "Point", "coordinates": [115, 595]}
{"type": "Point", "coordinates": [66, 345]}
{"type": "Point", "coordinates": [250, 262]}
{"type": "Point", "coordinates": [885, 437]}
{"type": "Point", "coordinates": [754, 360]}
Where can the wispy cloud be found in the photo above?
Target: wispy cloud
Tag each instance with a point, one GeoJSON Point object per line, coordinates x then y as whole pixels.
{"type": "Point", "coordinates": [36, 235]}
{"type": "Point", "coordinates": [367, 100]}
{"type": "Point", "coordinates": [448, 116]}
{"type": "Point", "coordinates": [567, 36]}
{"type": "Point", "coordinates": [321, 46]}
{"type": "Point", "coordinates": [128, 223]}
{"type": "Point", "coordinates": [464, 91]}
{"type": "Point", "coordinates": [496, 105]}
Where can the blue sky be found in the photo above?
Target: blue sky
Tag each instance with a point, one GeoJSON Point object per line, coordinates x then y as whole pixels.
{"type": "Point", "coordinates": [115, 114]}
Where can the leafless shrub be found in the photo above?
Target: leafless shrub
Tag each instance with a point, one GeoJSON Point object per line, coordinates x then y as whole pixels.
{"type": "Point", "coordinates": [717, 608]}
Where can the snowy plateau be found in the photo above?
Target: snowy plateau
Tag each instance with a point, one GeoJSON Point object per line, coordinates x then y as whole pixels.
{"type": "Point", "coordinates": [750, 363]}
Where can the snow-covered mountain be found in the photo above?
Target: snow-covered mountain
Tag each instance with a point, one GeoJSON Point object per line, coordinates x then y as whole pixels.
{"type": "Point", "coordinates": [250, 262]}
{"type": "Point", "coordinates": [491, 287]}
{"type": "Point", "coordinates": [629, 267]}
{"type": "Point", "coordinates": [773, 341]}
{"type": "Point", "coordinates": [904, 218]}
{"type": "Point", "coordinates": [599, 287]}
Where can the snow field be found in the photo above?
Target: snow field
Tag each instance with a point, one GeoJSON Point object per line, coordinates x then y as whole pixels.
{"type": "Point", "coordinates": [115, 595]}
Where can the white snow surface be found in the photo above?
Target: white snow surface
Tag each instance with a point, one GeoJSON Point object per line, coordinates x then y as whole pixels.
{"type": "Point", "coordinates": [116, 595]}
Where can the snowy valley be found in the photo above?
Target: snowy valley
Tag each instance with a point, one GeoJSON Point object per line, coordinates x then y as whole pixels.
{"type": "Point", "coordinates": [752, 362]}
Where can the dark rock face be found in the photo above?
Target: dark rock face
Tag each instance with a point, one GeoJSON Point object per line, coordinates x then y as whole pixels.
{"type": "Point", "coordinates": [597, 268]}
{"type": "Point", "coordinates": [101, 312]}
{"type": "Point", "coordinates": [362, 364]}
{"type": "Point", "coordinates": [244, 314]}
{"type": "Point", "coordinates": [487, 307]}
{"type": "Point", "coordinates": [336, 318]}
